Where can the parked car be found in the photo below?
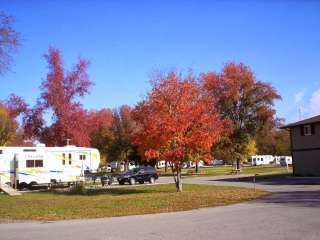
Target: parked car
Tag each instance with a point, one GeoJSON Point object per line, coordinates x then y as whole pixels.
{"type": "Point", "coordinates": [140, 175]}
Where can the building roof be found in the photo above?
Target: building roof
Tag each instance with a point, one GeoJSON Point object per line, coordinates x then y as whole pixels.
{"type": "Point", "coordinates": [315, 119]}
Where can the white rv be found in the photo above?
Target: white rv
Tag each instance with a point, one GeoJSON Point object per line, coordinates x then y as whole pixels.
{"type": "Point", "coordinates": [285, 160]}
{"type": "Point", "coordinates": [162, 164]}
{"type": "Point", "coordinates": [276, 160]}
{"type": "Point", "coordinates": [191, 164]}
{"type": "Point", "coordinates": [257, 160]}
{"type": "Point", "coordinates": [27, 166]}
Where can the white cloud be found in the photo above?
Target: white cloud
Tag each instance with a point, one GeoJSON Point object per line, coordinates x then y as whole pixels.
{"type": "Point", "coordinates": [298, 97]}
{"type": "Point", "coordinates": [315, 103]}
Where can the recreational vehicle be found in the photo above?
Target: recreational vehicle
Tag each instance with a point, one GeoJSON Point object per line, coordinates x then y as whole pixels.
{"type": "Point", "coordinates": [260, 160]}
{"type": "Point", "coordinates": [285, 160]}
{"type": "Point", "coordinates": [276, 160]}
{"type": "Point", "coordinates": [23, 167]}
{"type": "Point", "coordinates": [162, 164]}
{"type": "Point", "coordinates": [191, 164]}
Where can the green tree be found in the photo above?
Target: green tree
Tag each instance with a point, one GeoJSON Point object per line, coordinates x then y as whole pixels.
{"type": "Point", "coordinates": [122, 128]}
{"type": "Point", "coordinates": [245, 102]}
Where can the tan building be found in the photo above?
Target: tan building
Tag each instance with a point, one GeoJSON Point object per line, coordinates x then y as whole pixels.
{"type": "Point", "coordinates": [305, 146]}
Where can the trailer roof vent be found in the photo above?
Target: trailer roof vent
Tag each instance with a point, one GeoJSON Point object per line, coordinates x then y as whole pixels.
{"type": "Point", "coordinates": [29, 150]}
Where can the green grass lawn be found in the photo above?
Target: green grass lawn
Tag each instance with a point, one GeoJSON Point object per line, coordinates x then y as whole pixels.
{"type": "Point", "coordinates": [120, 201]}
{"type": "Point", "coordinates": [227, 170]}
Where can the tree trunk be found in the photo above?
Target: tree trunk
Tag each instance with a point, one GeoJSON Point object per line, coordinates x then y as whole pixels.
{"type": "Point", "coordinates": [197, 166]}
{"type": "Point", "coordinates": [238, 165]}
{"type": "Point", "coordinates": [126, 166]}
{"type": "Point", "coordinates": [178, 179]}
{"type": "Point", "coordinates": [166, 167]}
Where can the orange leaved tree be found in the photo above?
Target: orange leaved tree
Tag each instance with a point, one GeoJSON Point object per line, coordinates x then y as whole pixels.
{"type": "Point", "coordinates": [176, 122]}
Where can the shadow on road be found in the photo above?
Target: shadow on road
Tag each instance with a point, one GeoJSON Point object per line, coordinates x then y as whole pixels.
{"type": "Point", "coordinates": [296, 191]}
{"type": "Point", "coordinates": [294, 198]}
{"type": "Point", "coordinates": [275, 180]}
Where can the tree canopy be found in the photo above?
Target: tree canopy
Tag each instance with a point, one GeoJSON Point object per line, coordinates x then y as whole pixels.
{"type": "Point", "coordinates": [176, 121]}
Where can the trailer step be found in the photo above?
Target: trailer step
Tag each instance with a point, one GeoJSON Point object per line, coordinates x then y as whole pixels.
{"type": "Point", "coordinates": [9, 190]}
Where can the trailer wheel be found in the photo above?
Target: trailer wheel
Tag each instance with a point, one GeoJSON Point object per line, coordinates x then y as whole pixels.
{"type": "Point", "coordinates": [31, 185]}
{"type": "Point", "coordinates": [23, 186]}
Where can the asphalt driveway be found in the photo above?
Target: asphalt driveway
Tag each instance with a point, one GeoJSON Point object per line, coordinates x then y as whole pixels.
{"type": "Point", "coordinates": [291, 212]}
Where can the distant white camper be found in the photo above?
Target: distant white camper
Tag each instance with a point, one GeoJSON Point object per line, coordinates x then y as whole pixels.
{"type": "Point", "coordinates": [27, 166]}
{"type": "Point", "coordinates": [285, 160]}
{"type": "Point", "coordinates": [276, 160]}
{"type": "Point", "coordinates": [162, 164]}
{"type": "Point", "coordinates": [191, 164]}
{"type": "Point", "coordinates": [257, 160]}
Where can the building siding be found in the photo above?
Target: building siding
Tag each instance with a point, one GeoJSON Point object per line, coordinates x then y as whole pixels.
{"type": "Point", "coordinates": [305, 142]}
{"type": "Point", "coordinates": [305, 152]}
{"type": "Point", "coordinates": [306, 163]}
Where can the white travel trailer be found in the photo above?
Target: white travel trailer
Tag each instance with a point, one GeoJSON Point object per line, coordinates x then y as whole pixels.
{"type": "Point", "coordinates": [161, 164]}
{"type": "Point", "coordinates": [285, 160]}
{"type": "Point", "coordinates": [257, 160]}
{"type": "Point", "coordinates": [27, 166]}
{"type": "Point", "coordinates": [191, 164]}
{"type": "Point", "coordinates": [276, 160]}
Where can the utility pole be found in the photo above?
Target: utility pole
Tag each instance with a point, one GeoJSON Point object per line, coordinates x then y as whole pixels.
{"type": "Point", "coordinates": [299, 110]}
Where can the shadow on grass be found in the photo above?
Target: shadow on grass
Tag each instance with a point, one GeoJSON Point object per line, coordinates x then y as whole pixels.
{"type": "Point", "coordinates": [116, 191]}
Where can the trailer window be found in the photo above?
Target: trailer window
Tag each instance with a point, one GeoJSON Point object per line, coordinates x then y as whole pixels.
{"type": "Point", "coordinates": [30, 163]}
{"type": "Point", "coordinates": [38, 163]}
{"type": "Point", "coordinates": [82, 157]}
{"type": "Point", "coordinates": [63, 159]}
{"type": "Point", "coordinates": [0, 151]}
{"type": "Point", "coordinates": [70, 158]}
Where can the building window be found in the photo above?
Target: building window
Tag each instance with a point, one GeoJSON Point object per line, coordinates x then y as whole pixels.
{"type": "Point", "coordinates": [307, 130]}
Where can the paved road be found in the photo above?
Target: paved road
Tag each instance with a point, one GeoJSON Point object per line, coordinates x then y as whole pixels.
{"type": "Point", "coordinates": [291, 212]}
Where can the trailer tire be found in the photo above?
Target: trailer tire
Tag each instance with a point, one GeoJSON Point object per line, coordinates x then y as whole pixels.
{"type": "Point", "coordinates": [31, 185]}
{"type": "Point", "coordinates": [23, 186]}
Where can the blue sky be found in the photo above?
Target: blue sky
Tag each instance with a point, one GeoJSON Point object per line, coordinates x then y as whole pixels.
{"type": "Point", "coordinates": [127, 40]}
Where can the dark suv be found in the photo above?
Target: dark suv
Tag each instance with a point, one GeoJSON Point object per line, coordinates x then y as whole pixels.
{"type": "Point", "coordinates": [140, 175]}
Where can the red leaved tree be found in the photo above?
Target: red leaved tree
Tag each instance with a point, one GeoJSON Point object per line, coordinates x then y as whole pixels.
{"type": "Point", "coordinates": [176, 122]}
{"type": "Point", "coordinates": [60, 93]}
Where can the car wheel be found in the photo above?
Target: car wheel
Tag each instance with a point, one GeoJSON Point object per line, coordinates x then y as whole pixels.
{"type": "Point", "coordinates": [141, 182]}
{"type": "Point", "coordinates": [121, 183]}
{"type": "Point", "coordinates": [132, 181]}
{"type": "Point", "coordinates": [152, 180]}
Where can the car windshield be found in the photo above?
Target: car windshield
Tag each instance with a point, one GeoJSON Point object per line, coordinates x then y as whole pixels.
{"type": "Point", "coordinates": [135, 170]}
